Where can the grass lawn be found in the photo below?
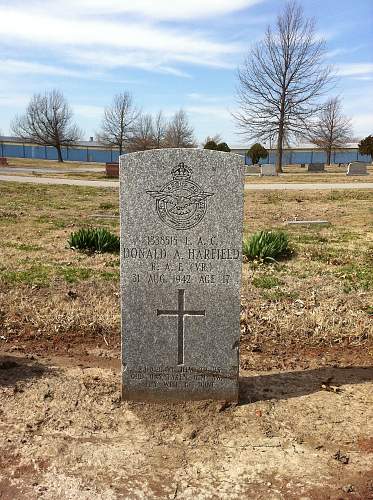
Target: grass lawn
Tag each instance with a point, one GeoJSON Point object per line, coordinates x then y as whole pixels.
{"type": "Point", "coordinates": [320, 298]}
{"type": "Point", "coordinates": [37, 163]}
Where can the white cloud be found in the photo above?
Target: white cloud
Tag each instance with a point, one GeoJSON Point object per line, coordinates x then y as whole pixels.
{"type": "Point", "coordinates": [14, 67]}
{"type": "Point", "coordinates": [352, 69]}
{"type": "Point", "coordinates": [14, 101]}
{"type": "Point", "coordinates": [88, 111]}
{"type": "Point", "coordinates": [152, 9]}
{"type": "Point", "coordinates": [111, 43]}
{"type": "Point", "coordinates": [209, 111]}
{"type": "Point", "coordinates": [111, 59]}
{"type": "Point", "coordinates": [362, 124]}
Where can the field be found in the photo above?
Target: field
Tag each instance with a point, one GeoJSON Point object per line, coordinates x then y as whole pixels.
{"type": "Point", "coordinates": [303, 427]}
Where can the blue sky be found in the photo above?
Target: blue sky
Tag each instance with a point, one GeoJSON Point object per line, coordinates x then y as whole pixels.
{"type": "Point", "coordinates": [168, 53]}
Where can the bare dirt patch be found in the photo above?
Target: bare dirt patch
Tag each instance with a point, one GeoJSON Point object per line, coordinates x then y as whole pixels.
{"type": "Point", "coordinates": [65, 434]}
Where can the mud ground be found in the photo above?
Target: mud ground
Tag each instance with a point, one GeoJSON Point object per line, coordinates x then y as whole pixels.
{"type": "Point", "coordinates": [302, 432]}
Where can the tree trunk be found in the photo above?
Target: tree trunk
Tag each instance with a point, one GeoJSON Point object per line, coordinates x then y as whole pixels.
{"type": "Point", "coordinates": [59, 154]}
{"type": "Point", "coordinates": [279, 149]}
{"type": "Point", "coordinates": [328, 156]}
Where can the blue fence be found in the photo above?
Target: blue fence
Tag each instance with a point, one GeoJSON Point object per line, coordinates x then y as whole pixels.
{"type": "Point", "coordinates": [102, 155]}
{"type": "Point", "coordinates": [80, 154]}
{"type": "Point", "coordinates": [315, 156]}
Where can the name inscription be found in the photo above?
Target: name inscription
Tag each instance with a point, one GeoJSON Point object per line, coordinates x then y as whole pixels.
{"type": "Point", "coordinates": [174, 260]}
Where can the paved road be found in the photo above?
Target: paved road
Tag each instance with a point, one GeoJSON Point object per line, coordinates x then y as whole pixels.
{"type": "Point", "coordinates": [52, 180]}
{"type": "Point", "coordinates": [249, 187]}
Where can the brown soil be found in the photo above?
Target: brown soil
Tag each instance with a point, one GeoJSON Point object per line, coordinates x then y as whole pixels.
{"type": "Point", "coordinates": [304, 431]}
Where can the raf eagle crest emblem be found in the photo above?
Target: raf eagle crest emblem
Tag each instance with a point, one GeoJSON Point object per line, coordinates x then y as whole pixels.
{"type": "Point", "coordinates": [181, 203]}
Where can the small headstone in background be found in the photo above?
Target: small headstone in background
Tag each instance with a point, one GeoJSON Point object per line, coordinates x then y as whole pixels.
{"type": "Point", "coordinates": [252, 169]}
{"type": "Point", "coordinates": [112, 169]}
{"type": "Point", "coordinates": [268, 169]}
{"type": "Point", "coordinates": [316, 167]}
{"type": "Point", "coordinates": [357, 168]}
{"type": "Point", "coordinates": [181, 258]}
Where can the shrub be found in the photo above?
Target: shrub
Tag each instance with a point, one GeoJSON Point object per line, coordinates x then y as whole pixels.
{"type": "Point", "coordinates": [94, 240]}
{"type": "Point", "coordinates": [223, 146]}
{"type": "Point", "coordinates": [266, 245]}
{"type": "Point", "coordinates": [366, 146]}
{"type": "Point", "coordinates": [211, 145]}
{"type": "Point", "coordinates": [256, 152]}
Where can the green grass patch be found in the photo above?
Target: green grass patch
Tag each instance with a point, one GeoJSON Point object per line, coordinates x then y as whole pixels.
{"type": "Point", "coordinates": [277, 294]}
{"type": "Point", "coordinates": [73, 274]}
{"type": "Point", "coordinates": [309, 238]}
{"type": "Point", "coordinates": [356, 277]}
{"type": "Point", "coordinates": [266, 281]}
{"type": "Point", "coordinates": [37, 275]}
{"type": "Point", "coordinates": [22, 246]}
{"type": "Point", "coordinates": [110, 276]}
{"type": "Point", "coordinates": [107, 206]}
{"type": "Point", "coordinates": [329, 255]}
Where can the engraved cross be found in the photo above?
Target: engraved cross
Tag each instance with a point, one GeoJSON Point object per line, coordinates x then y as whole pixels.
{"type": "Point", "coordinates": [180, 313]}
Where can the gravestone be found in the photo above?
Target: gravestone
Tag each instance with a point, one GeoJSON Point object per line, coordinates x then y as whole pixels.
{"type": "Point", "coordinates": [357, 168]}
{"type": "Point", "coordinates": [181, 241]}
{"type": "Point", "coordinates": [268, 169]}
{"type": "Point", "coordinates": [316, 167]}
{"type": "Point", "coordinates": [252, 169]}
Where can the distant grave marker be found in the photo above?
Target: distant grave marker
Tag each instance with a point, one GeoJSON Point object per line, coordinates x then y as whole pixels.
{"type": "Point", "coordinates": [181, 257]}
{"type": "Point", "coordinates": [357, 168]}
{"type": "Point", "coordinates": [316, 167]}
{"type": "Point", "coordinates": [268, 169]}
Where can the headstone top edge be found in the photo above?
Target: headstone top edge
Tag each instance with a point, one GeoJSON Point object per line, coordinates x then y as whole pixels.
{"type": "Point", "coordinates": [210, 152]}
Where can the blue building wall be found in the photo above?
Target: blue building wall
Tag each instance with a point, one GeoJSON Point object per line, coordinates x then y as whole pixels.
{"type": "Point", "coordinates": [102, 155]}
{"type": "Point", "coordinates": [315, 156]}
{"type": "Point", "coordinates": [80, 154]}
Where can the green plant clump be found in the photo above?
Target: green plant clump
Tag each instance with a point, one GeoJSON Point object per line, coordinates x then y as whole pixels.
{"type": "Point", "coordinates": [94, 240]}
{"type": "Point", "coordinates": [266, 245]}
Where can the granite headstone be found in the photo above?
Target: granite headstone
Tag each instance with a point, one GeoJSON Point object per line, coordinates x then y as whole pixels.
{"type": "Point", "coordinates": [357, 168]}
{"type": "Point", "coordinates": [268, 169]}
{"type": "Point", "coordinates": [181, 240]}
{"type": "Point", "coordinates": [252, 169]}
{"type": "Point", "coordinates": [316, 167]}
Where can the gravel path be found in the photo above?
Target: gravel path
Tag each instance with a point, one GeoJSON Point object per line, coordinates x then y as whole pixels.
{"type": "Point", "coordinates": [250, 187]}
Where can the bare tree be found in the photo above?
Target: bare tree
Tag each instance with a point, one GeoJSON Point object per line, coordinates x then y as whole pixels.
{"type": "Point", "coordinates": [119, 122]}
{"type": "Point", "coordinates": [281, 80]}
{"type": "Point", "coordinates": [48, 122]}
{"type": "Point", "coordinates": [160, 129]}
{"type": "Point", "coordinates": [332, 129]}
{"type": "Point", "coordinates": [143, 136]}
{"type": "Point", "coordinates": [179, 133]}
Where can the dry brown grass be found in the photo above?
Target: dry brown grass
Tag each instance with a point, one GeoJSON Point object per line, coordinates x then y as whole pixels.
{"type": "Point", "coordinates": [36, 163]}
{"type": "Point", "coordinates": [323, 296]}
